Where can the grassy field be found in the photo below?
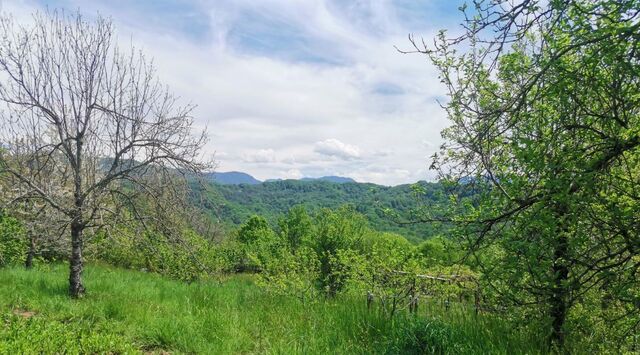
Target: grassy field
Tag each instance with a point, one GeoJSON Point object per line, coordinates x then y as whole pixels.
{"type": "Point", "coordinates": [132, 312]}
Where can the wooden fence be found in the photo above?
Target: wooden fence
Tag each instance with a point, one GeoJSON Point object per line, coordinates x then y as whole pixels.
{"type": "Point", "coordinates": [408, 289]}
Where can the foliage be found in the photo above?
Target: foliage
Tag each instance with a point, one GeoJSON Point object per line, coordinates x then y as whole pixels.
{"type": "Point", "coordinates": [13, 243]}
{"type": "Point", "coordinates": [395, 273]}
{"type": "Point", "coordinates": [292, 273]}
{"type": "Point", "coordinates": [187, 258]}
{"type": "Point", "coordinates": [544, 109]}
{"type": "Point", "coordinates": [339, 254]}
{"type": "Point", "coordinates": [383, 206]}
{"type": "Point", "coordinates": [296, 226]}
{"type": "Point", "coordinates": [259, 243]}
{"type": "Point", "coordinates": [440, 251]}
{"type": "Point", "coordinates": [334, 231]}
{"type": "Point", "coordinates": [380, 268]}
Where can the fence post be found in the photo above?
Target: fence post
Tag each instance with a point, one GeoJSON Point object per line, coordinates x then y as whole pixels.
{"type": "Point", "coordinates": [369, 299]}
{"type": "Point", "coordinates": [413, 304]}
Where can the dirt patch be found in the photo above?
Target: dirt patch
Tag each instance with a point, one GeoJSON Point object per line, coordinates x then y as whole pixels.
{"type": "Point", "coordinates": [153, 349]}
{"type": "Point", "coordinates": [23, 313]}
{"type": "Point", "coordinates": [157, 352]}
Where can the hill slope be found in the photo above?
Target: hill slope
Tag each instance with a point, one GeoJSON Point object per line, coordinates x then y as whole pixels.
{"type": "Point", "coordinates": [384, 206]}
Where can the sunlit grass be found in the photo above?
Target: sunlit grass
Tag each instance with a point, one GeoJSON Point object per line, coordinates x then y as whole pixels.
{"type": "Point", "coordinates": [129, 311]}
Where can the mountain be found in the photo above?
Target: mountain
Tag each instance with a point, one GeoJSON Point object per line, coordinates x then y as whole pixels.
{"type": "Point", "coordinates": [237, 177]}
{"type": "Point", "coordinates": [335, 179]}
{"type": "Point", "coordinates": [233, 178]}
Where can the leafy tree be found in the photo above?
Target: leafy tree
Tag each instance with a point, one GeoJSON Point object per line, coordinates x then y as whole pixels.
{"type": "Point", "coordinates": [260, 244]}
{"type": "Point", "coordinates": [296, 226]}
{"type": "Point", "coordinates": [254, 230]}
{"type": "Point", "coordinates": [292, 273]}
{"type": "Point", "coordinates": [544, 104]}
{"type": "Point", "coordinates": [440, 251]}
{"type": "Point", "coordinates": [335, 230]}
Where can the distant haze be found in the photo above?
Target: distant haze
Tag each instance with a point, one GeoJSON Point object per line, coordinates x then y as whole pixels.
{"type": "Point", "coordinates": [236, 178]}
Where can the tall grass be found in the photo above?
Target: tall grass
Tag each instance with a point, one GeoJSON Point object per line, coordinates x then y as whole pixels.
{"type": "Point", "coordinates": [128, 311]}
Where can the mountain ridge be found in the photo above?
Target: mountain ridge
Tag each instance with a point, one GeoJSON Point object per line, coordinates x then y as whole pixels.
{"type": "Point", "coordinates": [232, 178]}
{"type": "Point", "coordinates": [239, 177]}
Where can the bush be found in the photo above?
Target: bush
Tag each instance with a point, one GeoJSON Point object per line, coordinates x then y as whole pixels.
{"type": "Point", "coordinates": [336, 230]}
{"type": "Point", "coordinates": [13, 244]}
{"type": "Point", "coordinates": [186, 257]}
{"type": "Point", "coordinates": [259, 244]}
{"type": "Point", "coordinates": [292, 273]}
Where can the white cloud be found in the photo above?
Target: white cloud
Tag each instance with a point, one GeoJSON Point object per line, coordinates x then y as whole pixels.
{"type": "Point", "coordinates": [325, 70]}
{"type": "Point", "coordinates": [260, 156]}
{"type": "Point", "coordinates": [383, 153]}
{"type": "Point", "coordinates": [293, 174]}
{"type": "Point", "coordinates": [335, 148]}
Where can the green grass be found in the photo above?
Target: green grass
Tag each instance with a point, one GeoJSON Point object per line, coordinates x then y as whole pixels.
{"type": "Point", "coordinates": [129, 311]}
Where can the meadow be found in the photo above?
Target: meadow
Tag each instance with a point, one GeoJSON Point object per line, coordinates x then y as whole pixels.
{"type": "Point", "coordinates": [128, 311]}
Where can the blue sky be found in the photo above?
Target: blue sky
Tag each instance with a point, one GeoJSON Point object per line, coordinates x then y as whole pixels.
{"type": "Point", "coordinates": [292, 88]}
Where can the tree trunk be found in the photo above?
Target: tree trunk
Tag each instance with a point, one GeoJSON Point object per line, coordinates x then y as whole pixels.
{"type": "Point", "coordinates": [28, 264]}
{"type": "Point", "coordinates": [76, 289]}
{"type": "Point", "coordinates": [558, 301]}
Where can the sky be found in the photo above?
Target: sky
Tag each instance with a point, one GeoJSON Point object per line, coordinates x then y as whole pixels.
{"type": "Point", "coordinates": [295, 88]}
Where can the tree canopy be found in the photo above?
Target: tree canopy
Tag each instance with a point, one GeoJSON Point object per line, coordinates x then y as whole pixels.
{"type": "Point", "coordinates": [544, 103]}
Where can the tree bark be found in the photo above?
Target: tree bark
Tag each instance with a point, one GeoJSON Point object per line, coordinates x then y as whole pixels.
{"type": "Point", "coordinates": [558, 306]}
{"type": "Point", "coordinates": [559, 296]}
{"type": "Point", "coordinates": [76, 289]}
{"type": "Point", "coordinates": [28, 264]}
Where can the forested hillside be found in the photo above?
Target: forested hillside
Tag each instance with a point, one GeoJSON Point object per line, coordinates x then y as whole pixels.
{"type": "Point", "coordinates": [388, 209]}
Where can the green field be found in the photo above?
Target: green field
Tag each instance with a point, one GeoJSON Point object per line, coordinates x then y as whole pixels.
{"type": "Point", "coordinates": [132, 312]}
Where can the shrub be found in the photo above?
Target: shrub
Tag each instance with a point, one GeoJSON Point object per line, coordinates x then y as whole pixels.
{"type": "Point", "coordinates": [259, 244]}
{"type": "Point", "coordinates": [13, 244]}
{"type": "Point", "coordinates": [186, 257]}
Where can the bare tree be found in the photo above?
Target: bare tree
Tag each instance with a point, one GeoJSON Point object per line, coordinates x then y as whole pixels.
{"type": "Point", "coordinates": [91, 112]}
